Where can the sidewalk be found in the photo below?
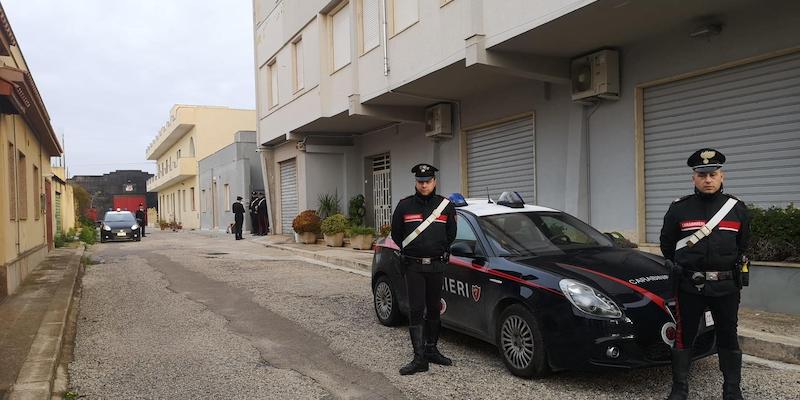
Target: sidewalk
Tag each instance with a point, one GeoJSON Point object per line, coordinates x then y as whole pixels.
{"type": "Point", "coordinates": [32, 324]}
{"type": "Point", "coordinates": [761, 334]}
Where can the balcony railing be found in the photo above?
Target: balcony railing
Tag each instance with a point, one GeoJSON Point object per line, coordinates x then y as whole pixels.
{"type": "Point", "coordinates": [181, 169]}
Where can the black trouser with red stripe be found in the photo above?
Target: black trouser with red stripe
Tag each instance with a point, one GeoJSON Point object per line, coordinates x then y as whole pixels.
{"type": "Point", "coordinates": [424, 296]}
{"type": "Point", "coordinates": [724, 310]}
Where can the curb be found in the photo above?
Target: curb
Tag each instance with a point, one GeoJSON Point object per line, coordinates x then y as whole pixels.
{"type": "Point", "coordinates": [35, 379]}
{"type": "Point", "coordinates": [769, 346]}
{"type": "Point", "coordinates": [354, 264]}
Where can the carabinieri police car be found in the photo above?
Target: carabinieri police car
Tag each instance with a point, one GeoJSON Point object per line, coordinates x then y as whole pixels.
{"type": "Point", "coordinates": [548, 290]}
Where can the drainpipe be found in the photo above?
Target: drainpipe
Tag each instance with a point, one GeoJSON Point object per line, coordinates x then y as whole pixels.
{"type": "Point", "coordinates": [385, 34]}
{"type": "Point", "coordinates": [16, 183]}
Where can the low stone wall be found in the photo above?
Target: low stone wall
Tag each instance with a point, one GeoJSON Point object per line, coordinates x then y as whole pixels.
{"type": "Point", "coordinates": [13, 273]}
{"type": "Point", "coordinates": [774, 287]}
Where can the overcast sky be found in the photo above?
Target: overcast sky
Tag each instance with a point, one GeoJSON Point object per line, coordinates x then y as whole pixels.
{"type": "Point", "coordinates": [109, 70]}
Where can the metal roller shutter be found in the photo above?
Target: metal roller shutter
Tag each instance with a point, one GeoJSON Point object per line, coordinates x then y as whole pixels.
{"type": "Point", "coordinates": [502, 158]}
{"type": "Point", "coordinates": [751, 113]}
{"type": "Point", "coordinates": [289, 201]}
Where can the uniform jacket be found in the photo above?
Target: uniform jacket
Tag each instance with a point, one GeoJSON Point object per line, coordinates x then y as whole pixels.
{"type": "Point", "coordinates": [238, 209]}
{"type": "Point", "coordinates": [141, 215]}
{"type": "Point", "coordinates": [433, 241]}
{"type": "Point", "coordinates": [718, 251]}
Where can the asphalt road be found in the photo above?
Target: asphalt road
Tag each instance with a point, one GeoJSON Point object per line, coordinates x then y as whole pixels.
{"type": "Point", "coordinates": [186, 316]}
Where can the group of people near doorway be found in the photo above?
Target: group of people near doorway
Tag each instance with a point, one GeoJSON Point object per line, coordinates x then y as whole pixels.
{"type": "Point", "coordinates": [258, 215]}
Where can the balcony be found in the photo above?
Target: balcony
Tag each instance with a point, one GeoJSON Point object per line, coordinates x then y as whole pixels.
{"type": "Point", "coordinates": [181, 121]}
{"type": "Point", "coordinates": [183, 168]}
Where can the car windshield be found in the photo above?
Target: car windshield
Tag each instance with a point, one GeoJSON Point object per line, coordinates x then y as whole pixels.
{"type": "Point", "coordinates": [119, 217]}
{"type": "Point", "coordinates": [539, 233]}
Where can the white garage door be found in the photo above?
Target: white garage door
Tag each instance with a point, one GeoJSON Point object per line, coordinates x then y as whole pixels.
{"type": "Point", "coordinates": [501, 158]}
{"type": "Point", "coordinates": [289, 201]}
{"type": "Point", "coordinates": [751, 113]}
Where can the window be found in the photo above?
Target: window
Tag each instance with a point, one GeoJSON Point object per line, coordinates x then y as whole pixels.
{"type": "Point", "coordinates": [22, 186]}
{"type": "Point", "coordinates": [191, 192]}
{"type": "Point", "coordinates": [12, 189]}
{"type": "Point", "coordinates": [37, 203]}
{"type": "Point", "coordinates": [465, 234]}
{"type": "Point", "coordinates": [404, 13]}
{"type": "Point", "coordinates": [272, 88]}
{"type": "Point", "coordinates": [369, 25]}
{"type": "Point", "coordinates": [202, 200]}
{"type": "Point", "coordinates": [227, 197]}
{"type": "Point", "coordinates": [340, 35]}
{"type": "Point", "coordinates": [191, 147]}
{"type": "Point", "coordinates": [297, 56]}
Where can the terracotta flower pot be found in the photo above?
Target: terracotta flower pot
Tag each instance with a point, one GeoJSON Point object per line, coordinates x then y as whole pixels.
{"type": "Point", "coordinates": [308, 238]}
{"type": "Point", "coordinates": [335, 240]}
{"type": "Point", "coordinates": [361, 242]}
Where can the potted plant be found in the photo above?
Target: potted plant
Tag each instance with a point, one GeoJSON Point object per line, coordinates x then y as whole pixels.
{"type": "Point", "coordinates": [361, 237]}
{"type": "Point", "coordinates": [163, 224]}
{"type": "Point", "coordinates": [385, 230]}
{"type": "Point", "coordinates": [307, 225]}
{"type": "Point", "coordinates": [328, 205]}
{"type": "Point", "coordinates": [333, 229]}
{"type": "Point", "coordinates": [357, 210]}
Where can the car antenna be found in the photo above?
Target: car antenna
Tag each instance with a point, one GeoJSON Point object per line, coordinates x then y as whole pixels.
{"type": "Point", "coordinates": [487, 196]}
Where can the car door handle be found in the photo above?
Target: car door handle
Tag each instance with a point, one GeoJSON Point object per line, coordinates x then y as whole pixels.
{"type": "Point", "coordinates": [497, 281]}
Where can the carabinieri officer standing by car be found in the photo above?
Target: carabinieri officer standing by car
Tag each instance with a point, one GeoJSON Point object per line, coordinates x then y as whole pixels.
{"type": "Point", "coordinates": [704, 238]}
{"type": "Point", "coordinates": [424, 227]}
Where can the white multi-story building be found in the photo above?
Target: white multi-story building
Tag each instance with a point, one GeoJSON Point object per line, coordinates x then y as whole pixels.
{"type": "Point", "coordinates": [344, 88]}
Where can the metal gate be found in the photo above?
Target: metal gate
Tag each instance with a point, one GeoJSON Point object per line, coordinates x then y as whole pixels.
{"type": "Point", "coordinates": [751, 113]}
{"type": "Point", "coordinates": [382, 189]}
{"type": "Point", "coordinates": [289, 199]}
{"type": "Point", "coordinates": [502, 158]}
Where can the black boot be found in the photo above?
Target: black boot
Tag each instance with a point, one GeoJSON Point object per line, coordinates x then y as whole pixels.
{"type": "Point", "coordinates": [681, 359]}
{"type": "Point", "coordinates": [419, 363]}
{"type": "Point", "coordinates": [432, 353]}
{"type": "Point", "coordinates": [730, 363]}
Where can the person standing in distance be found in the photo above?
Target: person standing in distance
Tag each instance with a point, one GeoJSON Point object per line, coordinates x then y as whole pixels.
{"type": "Point", "coordinates": [263, 216]}
{"type": "Point", "coordinates": [704, 237]}
{"type": "Point", "coordinates": [424, 226]}
{"type": "Point", "coordinates": [238, 217]}
{"type": "Point", "coordinates": [141, 218]}
{"type": "Point", "coordinates": [254, 230]}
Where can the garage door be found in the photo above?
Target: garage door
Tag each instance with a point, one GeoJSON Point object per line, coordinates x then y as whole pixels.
{"type": "Point", "coordinates": [751, 113]}
{"type": "Point", "coordinates": [501, 158]}
{"type": "Point", "coordinates": [289, 203]}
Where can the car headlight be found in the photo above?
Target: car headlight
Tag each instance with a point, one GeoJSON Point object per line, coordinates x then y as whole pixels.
{"type": "Point", "coordinates": [589, 300]}
{"type": "Point", "coordinates": [106, 228]}
{"type": "Point", "coordinates": [135, 227]}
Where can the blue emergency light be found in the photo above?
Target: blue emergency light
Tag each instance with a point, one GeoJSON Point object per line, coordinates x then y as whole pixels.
{"type": "Point", "coordinates": [457, 199]}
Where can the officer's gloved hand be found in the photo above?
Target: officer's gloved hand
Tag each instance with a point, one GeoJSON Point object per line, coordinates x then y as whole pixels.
{"type": "Point", "coordinates": [675, 269]}
{"type": "Point", "coordinates": [446, 257]}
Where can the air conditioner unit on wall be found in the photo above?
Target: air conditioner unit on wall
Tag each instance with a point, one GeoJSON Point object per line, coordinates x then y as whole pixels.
{"type": "Point", "coordinates": [595, 76]}
{"type": "Point", "coordinates": [438, 123]}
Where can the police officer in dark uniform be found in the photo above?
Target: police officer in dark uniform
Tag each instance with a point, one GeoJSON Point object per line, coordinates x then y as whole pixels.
{"type": "Point", "coordinates": [141, 218]}
{"type": "Point", "coordinates": [424, 226]}
{"type": "Point", "coordinates": [238, 217]}
{"type": "Point", "coordinates": [704, 238]}
{"type": "Point", "coordinates": [263, 217]}
{"type": "Point", "coordinates": [254, 227]}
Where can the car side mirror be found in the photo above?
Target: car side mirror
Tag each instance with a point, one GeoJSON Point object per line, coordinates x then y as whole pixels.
{"type": "Point", "coordinates": [611, 237]}
{"type": "Point", "coordinates": [462, 249]}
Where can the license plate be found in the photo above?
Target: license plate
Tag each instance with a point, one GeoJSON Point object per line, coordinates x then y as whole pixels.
{"type": "Point", "coordinates": [122, 234]}
{"type": "Point", "coordinates": [709, 319]}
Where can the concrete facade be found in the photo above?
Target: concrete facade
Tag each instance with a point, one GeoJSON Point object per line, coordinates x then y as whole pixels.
{"type": "Point", "coordinates": [102, 188]}
{"type": "Point", "coordinates": [191, 134]}
{"type": "Point", "coordinates": [236, 171]}
{"type": "Point", "coordinates": [27, 141]}
{"type": "Point", "coordinates": [491, 61]}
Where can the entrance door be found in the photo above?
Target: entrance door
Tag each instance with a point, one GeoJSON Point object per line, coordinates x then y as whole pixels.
{"type": "Point", "coordinates": [59, 227]}
{"type": "Point", "coordinates": [214, 214]}
{"type": "Point", "coordinates": [382, 190]}
{"type": "Point", "coordinates": [289, 200]}
{"type": "Point", "coordinates": [49, 215]}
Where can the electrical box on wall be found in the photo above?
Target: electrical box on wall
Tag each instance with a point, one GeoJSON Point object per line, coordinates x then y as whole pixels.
{"type": "Point", "coordinates": [438, 121]}
{"type": "Point", "coordinates": [595, 76]}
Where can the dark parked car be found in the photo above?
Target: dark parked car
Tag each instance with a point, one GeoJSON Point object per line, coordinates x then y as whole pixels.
{"type": "Point", "coordinates": [548, 290]}
{"type": "Point", "coordinates": [119, 225]}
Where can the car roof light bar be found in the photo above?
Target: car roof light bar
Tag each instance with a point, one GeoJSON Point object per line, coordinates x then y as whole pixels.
{"type": "Point", "coordinates": [457, 199]}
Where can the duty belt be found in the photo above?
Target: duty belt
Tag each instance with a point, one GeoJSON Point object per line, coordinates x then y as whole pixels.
{"type": "Point", "coordinates": [699, 277]}
{"type": "Point", "coordinates": [424, 260]}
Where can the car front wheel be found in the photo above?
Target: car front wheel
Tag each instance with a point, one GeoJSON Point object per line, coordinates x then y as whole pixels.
{"type": "Point", "coordinates": [520, 343]}
{"type": "Point", "coordinates": [385, 301]}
